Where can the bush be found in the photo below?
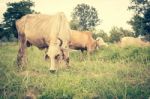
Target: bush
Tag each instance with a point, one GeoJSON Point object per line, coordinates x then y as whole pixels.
{"type": "Point", "coordinates": [4, 39]}
{"type": "Point", "coordinates": [12, 38]}
{"type": "Point", "coordinates": [101, 34]}
{"type": "Point", "coordinates": [117, 33]}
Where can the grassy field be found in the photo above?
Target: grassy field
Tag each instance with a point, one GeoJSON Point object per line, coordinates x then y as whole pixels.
{"type": "Point", "coordinates": [111, 73]}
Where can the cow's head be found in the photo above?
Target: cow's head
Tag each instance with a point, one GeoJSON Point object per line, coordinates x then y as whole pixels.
{"type": "Point", "coordinates": [93, 46]}
{"type": "Point", "coordinates": [57, 53]}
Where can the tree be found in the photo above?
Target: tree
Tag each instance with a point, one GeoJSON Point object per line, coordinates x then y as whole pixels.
{"type": "Point", "coordinates": [117, 33]}
{"type": "Point", "coordinates": [126, 32]}
{"type": "Point", "coordinates": [141, 20]}
{"type": "Point", "coordinates": [1, 31]}
{"type": "Point", "coordinates": [137, 25]}
{"type": "Point", "coordinates": [15, 11]}
{"type": "Point", "coordinates": [139, 6]}
{"type": "Point", "coordinates": [146, 21]}
{"type": "Point", "coordinates": [74, 24]}
{"type": "Point", "coordinates": [102, 34]}
{"type": "Point", "coordinates": [86, 17]}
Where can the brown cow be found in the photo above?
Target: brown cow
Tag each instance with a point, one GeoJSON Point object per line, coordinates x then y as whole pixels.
{"type": "Point", "coordinates": [44, 31]}
{"type": "Point", "coordinates": [82, 41]}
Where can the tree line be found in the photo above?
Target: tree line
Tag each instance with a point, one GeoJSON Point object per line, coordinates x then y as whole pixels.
{"type": "Point", "coordinates": [84, 18]}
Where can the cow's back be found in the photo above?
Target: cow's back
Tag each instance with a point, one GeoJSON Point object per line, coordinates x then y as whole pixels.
{"type": "Point", "coordinates": [79, 37]}
{"type": "Point", "coordinates": [43, 29]}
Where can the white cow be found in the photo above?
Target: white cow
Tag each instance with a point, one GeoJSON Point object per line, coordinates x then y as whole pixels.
{"type": "Point", "coordinates": [128, 41]}
{"type": "Point", "coordinates": [100, 42]}
{"type": "Point", "coordinates": [44, 31]}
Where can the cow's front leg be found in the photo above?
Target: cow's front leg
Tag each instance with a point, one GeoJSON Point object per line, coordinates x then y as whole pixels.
{"type": "Point", "coordinates": [21, 58]}
{"type": "Point", "coordinates": [53, 53]}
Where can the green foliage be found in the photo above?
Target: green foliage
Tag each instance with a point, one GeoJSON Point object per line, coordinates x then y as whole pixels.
{"type": "Point", "coordinates": [112, 72]}
{"type": "Point", "coordinates": [85, 17]}
{"type": "Point", "coordinates": [141, 20]}
{"type": "Point", "coordinates": [146, 23]}
{"type": "Point", "coordinates": [126, 32]}
{"type": "Point", "coordinates": [137, 25]}
{"type": "Point", "coordinates": [4, 39]}
{"type": "Point", "coordinates": [14, 11]}
{"type": "Point", "coordinates": [117, 33]}
{"type": "Point", "coordinates": [1, 31]}
{"type": "Point", "coordinates": [12, 38]}
{"type": "Point", "coordinates": [139, 6]}
{"type": "Point", "coordinates": [101, 34]}
{"type": "Point", "coordinates": [74, 24]}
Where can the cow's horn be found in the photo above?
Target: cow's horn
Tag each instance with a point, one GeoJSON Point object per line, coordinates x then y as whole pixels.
{"type": "Point", "coordinates": [61, 42]}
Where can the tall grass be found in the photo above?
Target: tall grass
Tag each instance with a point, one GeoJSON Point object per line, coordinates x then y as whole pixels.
{"type": "Point", "coordinates": [112, 72]}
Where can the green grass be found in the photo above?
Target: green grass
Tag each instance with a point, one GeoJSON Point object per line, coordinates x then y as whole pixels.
{"type": "Point", "coordinates": [110, 73]}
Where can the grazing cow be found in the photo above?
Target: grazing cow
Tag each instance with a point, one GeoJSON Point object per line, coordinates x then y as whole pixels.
{"type": "Point", "coordinates": [82, 41]}
{"type": "Point", "coordinates": [100, 42]}
{"type": "Point", "coordinates": [128, 41]}
{"type": "Point", "coordinates": [44, 31]}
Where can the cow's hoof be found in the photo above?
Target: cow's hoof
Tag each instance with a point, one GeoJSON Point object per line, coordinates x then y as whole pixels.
{"type": "Point", "coordinates": [52, 71]}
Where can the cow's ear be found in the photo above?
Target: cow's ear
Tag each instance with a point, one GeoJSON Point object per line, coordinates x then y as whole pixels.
{"type": "Point", "coordinates": [60, 42]}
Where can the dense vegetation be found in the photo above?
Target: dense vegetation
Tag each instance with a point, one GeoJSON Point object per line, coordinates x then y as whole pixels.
{"type": "Point", "coordinates": [84, 17]}
{"type": "Point", "coordinates": [110, 73]}
{"type": "Point", "coordinates": [141, 19]}
{"type": "Point", "coordinates": [14, 12]}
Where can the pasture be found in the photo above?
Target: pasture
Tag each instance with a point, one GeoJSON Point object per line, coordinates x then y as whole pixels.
{"type": "Point", "coordinates": [110, 73]}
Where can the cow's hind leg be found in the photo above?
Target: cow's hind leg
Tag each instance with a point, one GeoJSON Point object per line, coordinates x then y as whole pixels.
{"type": "Point", "coordinates": [81, 55]}
{"type": "Point", "coordinates": [89, 52]}
{"type": "Point", "coordinates": [21, 59]}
